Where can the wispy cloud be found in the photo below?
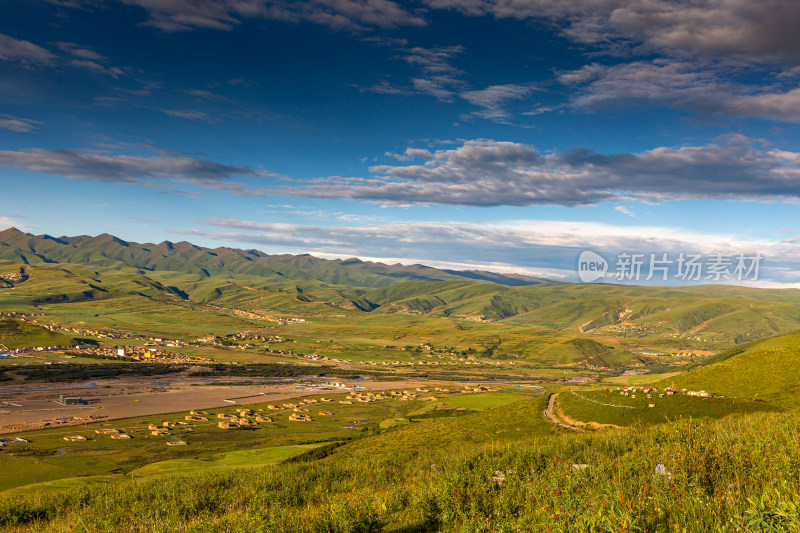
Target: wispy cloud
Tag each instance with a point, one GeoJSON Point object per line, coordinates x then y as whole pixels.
{"type": "Point", "coordinates": [133, 170]}
{"type": "Point", "coordinates": [437, 76]}
{"type": "Point", "coordinates": [492, 100]}
{"type": "Point", "coordinates": [690, 85]}
{"type": "Point", "coordinates": [97, 68]}
{"type": "Point", "coordinates": [358, 15]}
{"type": "Point", "coordinates": [24, 52]}
{"type": "Point", "coordinates": [188, 114]}
{"type": "Point", "coordinates": [625, 211]}
{"type": "Point", "coordinates": [79, 51]}
{"type": "Point", "coordinates": [19, 125]}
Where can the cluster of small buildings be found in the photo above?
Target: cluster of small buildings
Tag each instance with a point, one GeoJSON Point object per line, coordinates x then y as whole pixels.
{"type": "Point", "coordinates": [141, 353]}
{"type": "Point", "coordinates": [243, 418]}
{"type": "Point", "coordinates": [14, 277]}
{"type": "Point", "coordinates": [455, 361]}
{"type": "Point", "coordinates": [115, 434]}
{"type": "Point", "coordinates": [669, 391]}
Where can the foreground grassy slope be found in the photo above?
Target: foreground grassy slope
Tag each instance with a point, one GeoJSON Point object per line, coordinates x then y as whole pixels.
{"type": "Point", "coordinates": [609, 407]}
{"type": "Point", "coordinates": [689, 476]}
{"type": "Point", "coordinates": [766, 370]}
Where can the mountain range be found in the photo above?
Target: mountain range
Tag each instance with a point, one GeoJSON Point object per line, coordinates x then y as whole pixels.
{"type": "Point", "coordinates": [127, 274]}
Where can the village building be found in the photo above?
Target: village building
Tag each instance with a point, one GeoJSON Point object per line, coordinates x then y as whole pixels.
{"type": "Point", "coordinates": [75, 438]}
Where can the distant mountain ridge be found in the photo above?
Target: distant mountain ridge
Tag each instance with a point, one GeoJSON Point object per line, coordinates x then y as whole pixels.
{"type": "Point", "coordinates": [109, 251]}
{"type": "Point", "coordinates": [67, 271]}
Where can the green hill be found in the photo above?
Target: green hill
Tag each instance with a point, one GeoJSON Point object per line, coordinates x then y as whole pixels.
{"type": "Point", "coordinates": [17, 334]}
{"type": "Point", "coordinates": [765, 370]}
{"type": "Point", "coordinates": [142, 283]}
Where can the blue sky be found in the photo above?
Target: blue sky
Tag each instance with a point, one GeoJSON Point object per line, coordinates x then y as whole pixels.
{"type": "Point", "coordinates": [504, 135]}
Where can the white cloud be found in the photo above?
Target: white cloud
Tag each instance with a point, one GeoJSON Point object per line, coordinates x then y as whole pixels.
{"type": "Point", "coordinates": [188, 114]}
{"type": "Point", "coordinates": [17, 124]}
{"type": "Point", "coordinates": [24, 52]}
{"type": "Point", "coordinates": [493, 98]}
{"type": "Point", "coordinates": [625, 211]}
{"type": "Point", "coordinates": [698, 86]}
{"type": "Point", "coordinates": [488, 173]}
{"type": "Point", "coordinates": [743, 30]}
{"type": "Point", "coordinates": [114, 72]}
{"type": "Point", "coordinates": [13, 222]}
{"type": "Point", "coordinates": [79, 51]}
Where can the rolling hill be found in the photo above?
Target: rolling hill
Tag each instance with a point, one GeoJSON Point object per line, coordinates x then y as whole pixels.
{"type": "Point", "coordinates": [73, 273]}
{"type": "Point", "coordinates": [765, 370]}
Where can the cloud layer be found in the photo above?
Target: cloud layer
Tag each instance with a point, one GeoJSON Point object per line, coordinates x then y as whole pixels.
{"type": "Point", "coordinates": [491, 173]}
{"type": "Point", "coordinates": [732, 29]}
{"type": "Point", "coordinates": [697, 86]}
{"type": "Point", "coordinates": [480, 172]}
{"type": "Point", "coordinates": [183, 15]}
{"type": "Point", "coordinates": [136, 170]}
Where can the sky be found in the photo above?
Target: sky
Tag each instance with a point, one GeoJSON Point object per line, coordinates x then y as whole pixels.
{"type": "Point", "coordinates": [504, 135]}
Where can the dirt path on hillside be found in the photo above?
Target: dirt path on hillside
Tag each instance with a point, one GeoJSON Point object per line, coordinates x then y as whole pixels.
{"type": "Point", "coordinates": [551, 416]}
{"type": "Point", "coordinates": [557, 416]}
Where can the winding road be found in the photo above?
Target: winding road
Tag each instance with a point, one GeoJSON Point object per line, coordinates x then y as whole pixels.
{"type": "Point", "coordinates": [552, 417]}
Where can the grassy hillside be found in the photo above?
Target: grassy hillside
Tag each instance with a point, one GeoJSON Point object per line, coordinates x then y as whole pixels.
{"type": "Point", "coordinates": [609, 407]}
{"type": "Point", "coordinates": [765, 370]}
{"type": "Point", "coordinates": [689, 476]}
{"type": "Point", "coordinates": [18, 334]}
{"type": "Point", "coordinates": [79, 272]}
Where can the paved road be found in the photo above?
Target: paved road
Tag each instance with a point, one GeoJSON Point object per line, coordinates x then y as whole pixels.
{"type": "Point", "coordinates": [552, 417]}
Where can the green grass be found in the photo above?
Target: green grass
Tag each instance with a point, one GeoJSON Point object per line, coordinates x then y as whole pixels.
{"type": "Point", "coordinates": [483, 400]}
{"type": "Point", "coordinates": [611, 407]}
{"type": "Point", "coordinates": [239, 459]}
{"type": "Point", "coordinates": [765, 371]}
{"type": "Point", "coordinates": [17, 334]}
{"type": "Point", "coordinates": [716, 477]}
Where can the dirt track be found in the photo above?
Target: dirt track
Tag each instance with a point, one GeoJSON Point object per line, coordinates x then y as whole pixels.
{"type": "Point", "coordinates": [552, 416]}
